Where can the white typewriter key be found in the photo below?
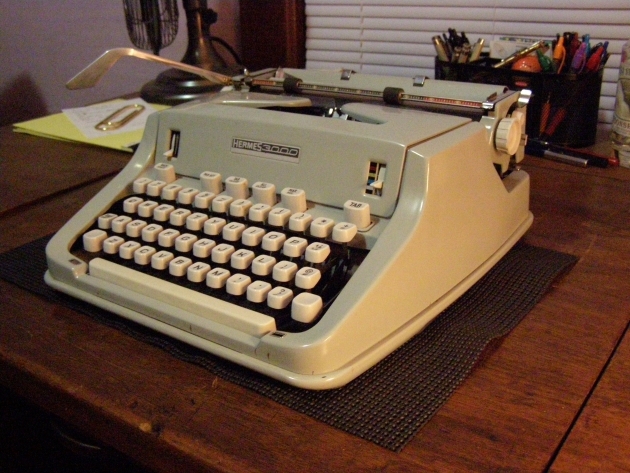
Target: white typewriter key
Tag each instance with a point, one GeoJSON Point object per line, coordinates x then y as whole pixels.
{"type": "Point", "coordinates": [120, 223]}
{"type": "Point", "coordinates": [357, 213]}
{"type": "Point", "coordinates": [237, 187]}
{"type": "Point", "coordinates": [170, 191]}
{"type": "Point", "coordinates": [259, 212]}
{"type": "Point", "coordinates": [187, 195]}
{"type": "Point", "coordinates": [111, 244]}
{"type": "Point", "coordinates": [126, 250]}
{"type": "Point", "coordinates": [221, 204]}
{"type": "Point", "coordinates": [178, 217]}
{"type": "Point", "coordinates": [213, 226]}
{"type": "Point", "coordinates": [317, 252]}
{"type": "Point", "coordinates": [134, 228]}
{"type": "Point", "coordinates": [294, 247]}
{"type": "Point", "coordinates": [344, 232]}
{"type": "Point", "coordinates": [143, 255]}
{"type": "Point", "coordinates": [162, 212]}
{"type": "Point", "coordinates": [273, 241]}
{"type": "Point", "coordinates": [195, 221]}
{"type": "Point", "coordinates": [93, 240]}
{"type": "Point", "coordinates": [185, 242]}
{"type": "Point", "coordinates": [140, 185]}
{"type": "Point", "coordinates": [240, 207]}
{"type": "Point", "coordinates": [322, 227]}
{"type": "Point", "coordinates": [279, 217]}
{"type": "Point", "coordinates": [167, 237]}
{"type": "Point", "coordinates": [233, 231]}
{"type": "Point", "coordinates": [203, 248]}
{"type": "Point", "coordinates": [284, 271]}
{"type": "Point", "coordinates": [179, 266]}
{"type": "Point", "coordinates": [222, 253]}
{"type": "Point", "coordinates": [197, 272]}
{"type": "Point", "coordinates": [217, 277]}
{"type": "Point", "coordinates": [252, 236]}
{"type": "Point", "coordinates": [161, 259]}
{"type": "Point", "coordinates": [211, 182]}
{"type": "Point", "coordinates": [145, 209]}
{"type": "Point", "coordinates": [151, 232]}
{"type": "Point", "coordinates": [307, 278]}
{"type": "Point", "coordinates": [105, 221]}
{"type": "Point", "coordinates": [300, 221]}
{"type": "Point", "coordinates": [279, 297]}
{"type": "Point", "coordinates": [203, 200]}
{"type": "Point", "coordinates": [306, 307]}
{"type": "Point", "coordinates": [264, 193]}
{"type": "Point", "coordinates": [242, 259]}
{"type": "Point", "coordinates": [237, 284]}
{"type": "Point", "coordinates": [257, 291]}
{"type": "Point", "coordinates": [293, 199]}
{"type": "Point", "coordinates": [130, 205]}
{"type": "Point", "coordinates": [154, 188]}
{"type": "Point", "coordinates": [165, 172]}
{"type": "Point", "coordinates": [263, 265]}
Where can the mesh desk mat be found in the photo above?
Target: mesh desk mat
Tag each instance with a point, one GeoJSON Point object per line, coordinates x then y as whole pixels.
{"type": "Point", "coordinates": [388, 404]}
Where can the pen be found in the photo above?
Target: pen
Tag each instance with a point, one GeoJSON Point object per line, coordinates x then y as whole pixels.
{"type": "Point", "coordinates": [447, 43]}
{"type": "Point", "coordinates": [559, 55]}
{"type": "Point", "coordinates": [572, 46]}
{"type": "Point", "coordinates": [440, 48]}
{"type": "Point", "coordinates": [519, 54]}
{"type": "Point", "coordinates": [598, 57]}
{"type": "Point", "coordinates": [558, 157]}
{"type": "Point", "coordinates": [545, 112]}
{"type": "Point", "coordinates": [545, 62]}
{"type": "Point", "coordinates": [595, 59]}
{"type": "Point", "coordinates": [457, 51]}
{"type": "Point", "coordinates": [579, 59]}
{"type": "Point", "coordinates": [465, 54]}
{"type": "Point", "coordinates": [594, 159]}
{"type": "Point", "coordinates": [587, 39]}
{"type": "Point", "coordinates": [476, 49]}
{"type": "Point", "coordinates": [567, 155]}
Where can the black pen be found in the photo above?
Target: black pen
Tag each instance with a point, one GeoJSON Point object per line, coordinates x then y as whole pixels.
{"type": "Point", "coordinates": [559, 157]}
{"type": "Point", "coordinates": [594, 159]}
{"type": "Point", "coordinates": [537, 148]}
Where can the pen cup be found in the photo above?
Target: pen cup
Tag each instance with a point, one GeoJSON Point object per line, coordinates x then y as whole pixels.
{"type": "Point", "coordinates": [563, 109]}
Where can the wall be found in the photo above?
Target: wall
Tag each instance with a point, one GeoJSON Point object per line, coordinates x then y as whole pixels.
{"type": "Point", "coordinates": [45, 43]}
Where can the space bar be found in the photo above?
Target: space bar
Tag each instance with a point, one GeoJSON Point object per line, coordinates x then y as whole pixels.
{"type": "Point", "coordinates": [210, 308]}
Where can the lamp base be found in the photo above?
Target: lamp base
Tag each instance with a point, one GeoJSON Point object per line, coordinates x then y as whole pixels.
{"type": "Point", "coordinates": [174, 86]}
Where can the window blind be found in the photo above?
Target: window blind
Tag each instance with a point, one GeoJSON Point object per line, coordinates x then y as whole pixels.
{"type": "Point", "coordinates": [394, 37]}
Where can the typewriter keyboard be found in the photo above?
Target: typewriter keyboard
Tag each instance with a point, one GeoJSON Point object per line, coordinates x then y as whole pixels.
{"type": "Point", "coordinates": [252, 247]}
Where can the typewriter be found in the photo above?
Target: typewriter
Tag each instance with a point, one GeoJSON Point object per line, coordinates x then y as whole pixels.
{"type": "Point", "coordinates": [304, 224]}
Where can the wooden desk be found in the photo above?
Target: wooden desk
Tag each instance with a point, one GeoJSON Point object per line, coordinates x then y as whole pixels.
{"type": "Point", "coordinates": [553, 395]}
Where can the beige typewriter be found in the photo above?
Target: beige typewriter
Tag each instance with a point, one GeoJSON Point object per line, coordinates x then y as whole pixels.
{"type": "Point", "coordinates": [304, 224]}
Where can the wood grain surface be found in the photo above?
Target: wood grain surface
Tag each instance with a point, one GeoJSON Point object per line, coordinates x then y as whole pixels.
{"type": "Point", "coordinates": [552, 395]}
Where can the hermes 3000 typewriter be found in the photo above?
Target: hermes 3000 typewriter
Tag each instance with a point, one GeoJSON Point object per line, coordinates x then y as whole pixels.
{"type": "Point", "coordinates": [302, 223]}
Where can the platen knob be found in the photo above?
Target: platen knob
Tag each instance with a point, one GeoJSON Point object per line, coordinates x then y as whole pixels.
{"type": "Point", "coordinates": [508, 135]}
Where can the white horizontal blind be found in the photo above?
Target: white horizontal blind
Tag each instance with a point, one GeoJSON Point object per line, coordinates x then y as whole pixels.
{"type": "Point", "coordinates": [394, 37]}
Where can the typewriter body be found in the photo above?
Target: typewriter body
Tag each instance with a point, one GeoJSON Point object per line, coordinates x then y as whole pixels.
{"type": "Point", "coordinates": [304, 224]}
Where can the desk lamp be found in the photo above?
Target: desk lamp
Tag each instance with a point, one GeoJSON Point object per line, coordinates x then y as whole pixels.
{"type": "Point", "coordinates": [153, 24]}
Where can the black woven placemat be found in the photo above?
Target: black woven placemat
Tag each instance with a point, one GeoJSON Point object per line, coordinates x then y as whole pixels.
{"type": "Point", "coordinates": [389, 403]}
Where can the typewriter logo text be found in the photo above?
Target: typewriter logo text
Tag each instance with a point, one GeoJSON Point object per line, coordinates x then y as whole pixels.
{"type": "Point", "coordinates": [266, 150]}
